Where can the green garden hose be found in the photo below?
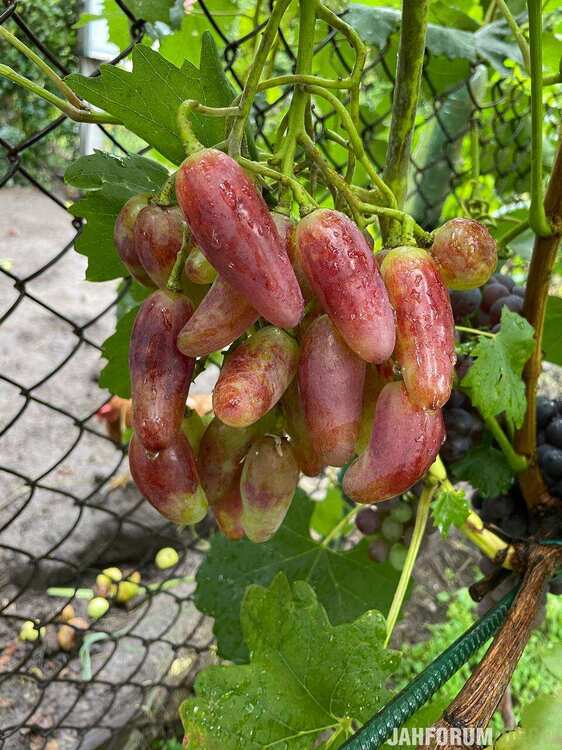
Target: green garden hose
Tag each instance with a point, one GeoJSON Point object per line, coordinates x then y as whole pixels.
{"type": "Point", "coordinates": [380, 727]}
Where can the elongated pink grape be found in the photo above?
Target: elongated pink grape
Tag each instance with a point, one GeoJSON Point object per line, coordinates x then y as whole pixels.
{"type": "Point", "coordinates": [301, 442]}
{"type": "Point", "coordinates": [197, 268]}
{"type": "Point", "coordinates": [344, 276]}
{"type": "Point", "coordinates": [158, 240]}
{"type": "Point", "coordinates": [124, 237]}
{"type": "Point", "coordinates": [223, 315]}
{"type": "Point", "coordinates": [233, 227]}
{"type": "Point", "coordinates": [160, 373]}
{"type": "Point", "coordinates": [169, 481]}
{"type": "Point", "coordinates": [255, 376]}
{"type": "Point", "coordinates": [228, 510]}
{"type": "Point", "coordinates": [465, 253]}
{"type": "Point", "coordinates": [331, 379]}
{"type": "Point", "coordinates": [268, 483]}
{"type": "Point", "coordinates": [221, 451]}
{"type": "Point", "coordinates": [425, 341]}
{"type": "Point", "coordinates": [404, 443]}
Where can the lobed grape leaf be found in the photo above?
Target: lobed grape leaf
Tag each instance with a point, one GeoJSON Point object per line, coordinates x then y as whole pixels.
{"type": "Point", "coordinates": [346, 582]}
{"type": "Point", "coordinates": [485, 468]}
{"type": "Point", "coordinates": [147, 98]}
{"type": "Point", "coordinates": [494, 381]}
{"type": "Point", "coordinates": [115, 374]}
{"type": "Point", "coordinates": [305, 679]}
{"type": "Point", "coordinates": [449, 508]}
{"type": "Point", "coordinates": [552, 340]}
{"type": "Point", "coordinates": [111, 181]}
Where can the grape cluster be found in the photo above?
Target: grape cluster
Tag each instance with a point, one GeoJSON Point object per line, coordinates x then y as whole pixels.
{"type": "Point", "coordinates": [296, 392]}
{"type": "Point", "coordinates": [464, 427]}
{"type": "Point", "coordinates": [549, 441]}
{"type": "Point", "coordinates": [389, 529]}
{"type": "Point", "coordinates": [483, 306]}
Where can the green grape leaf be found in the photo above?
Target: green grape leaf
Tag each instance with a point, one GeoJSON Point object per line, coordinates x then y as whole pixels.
{"type": "Point", "coordinates": [147, 98]}
{"type": "Point", "coordinates": [494, 381]}
{"type": "Point", "coordinates": [489, 43]}
{"type": "Point", "coordinates": [115, 374]}
{"type": "Point", "coordinates": [306, 678]}
{"type": "Point", "coordinates": [552, 338]}
{"type": "Point", "coordinates": [328, 512]}
{"type": "Point", "coordinates": [450, 507]}
{"type": "Point", "coordinates": [110, 182]}
{"type": "Point", "coordinates": [347, 582]}
{"type": "Point", "coordinates": [485, 468]}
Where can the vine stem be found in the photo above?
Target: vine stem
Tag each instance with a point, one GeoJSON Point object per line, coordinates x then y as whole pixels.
{"type": "Point", "coordinates": [422, 514]}
{"type": "Point", "coordinates": [473, 527]}
{"type": "Point", "coordinates": [57, 81]}
{"type": "Point", "coordinates": [411, 49]}
{"type": "Point", "coordinates": [301, 195]}
{"type": "Point", "coordinates": [516, 461]}
{"type": "Point", "coordinates": [247, 98]}
{"type": "Point", "coordinates": [299, 102]}
{"type": "Point", "coordinates": [75, 113]}
{"type": "Point", "coordinates": [534, 310]}
{"type": "Point", "coordinates": [537, 215]}
{"type": "Point", "coordinates": [476, 331]}
{"type": "Point", "coordinates": [517, 33]}
{"type": "Point", "coordinates": [174, 280]}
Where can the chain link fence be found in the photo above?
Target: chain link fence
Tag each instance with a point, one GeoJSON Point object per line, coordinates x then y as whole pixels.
{"type": "Point", "coordinates": [67, 508]}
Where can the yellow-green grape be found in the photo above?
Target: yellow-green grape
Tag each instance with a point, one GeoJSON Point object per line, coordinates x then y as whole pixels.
{"type": "Point", "coordinates": [128, 589]}
{"type": "Point", "coordinates": [30, 632]}
{"type": "Point", "coordinates": [106, 580]}
{"type": "Point", "coordinates": [166, 557]}
{"type": "Point", "coordinates": [97, 607]}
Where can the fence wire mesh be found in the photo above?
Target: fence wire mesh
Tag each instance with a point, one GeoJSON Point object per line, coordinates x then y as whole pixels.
{"type": "Point", "coordinates": [67, 509]}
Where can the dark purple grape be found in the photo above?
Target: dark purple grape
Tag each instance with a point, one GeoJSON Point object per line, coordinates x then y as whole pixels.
{"type": "Point", "coordinates": [461, 422]}
{"type": "Point", "coordinates": [455, 447]}
{"type": "Point", "coordinates": [496, 328]}
{"type": "Point", "coordinates": [378, 550]}
{"type": "Point", "coordinates": [502, 278]}
{"type": "Point", "coordinates": [512, 302]}
{"type": "Point", "coordinates": [368, 521]}
{"type": "Point", "coordinates": [492, 292]}
{"type": "Point", "coordinates": [465, 303]}
{"type": "Point", "coordinates": [519, 291]}
{"type": "Point", "coordinates": [554, 432]}
{"type": "Point", "coordinates": [546, 409]}
{"type": "Point", "coordinates": [458, 400]}
{"type": "Point", "coordinates": [551, 461]}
